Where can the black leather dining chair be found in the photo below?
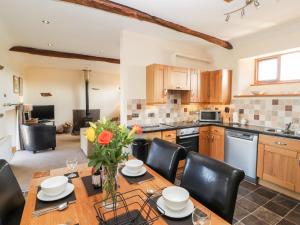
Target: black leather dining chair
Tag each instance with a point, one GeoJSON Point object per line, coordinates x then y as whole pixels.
{"type": "Point", "coordinates": [213, 183]}
{"type": "Point", "coordinates": [163, 157]}
{"type": "Point", "coordinates": [11, 197]}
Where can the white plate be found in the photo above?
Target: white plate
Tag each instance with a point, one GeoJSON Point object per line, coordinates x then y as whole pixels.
{"type": "Point", "coordinates": [128, 173]}
{"type": "Point", "coordinates": [43, 197]}
{"type": "Point", "coordinates": [188, 210]}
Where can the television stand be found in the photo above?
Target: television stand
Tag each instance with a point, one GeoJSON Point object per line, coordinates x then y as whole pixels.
{"type": "Point", "coordinates": [47, 121]}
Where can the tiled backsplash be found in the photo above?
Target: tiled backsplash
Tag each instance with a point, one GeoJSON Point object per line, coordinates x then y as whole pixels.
{"type": "Point", "coordinates": [262, 112]}
{"type": "Point", "coordinates": [138, 112]}
{"type": "Point", "coordinates": [269, 112]}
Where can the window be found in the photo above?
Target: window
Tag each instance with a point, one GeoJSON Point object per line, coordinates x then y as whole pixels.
{"type": "Point", "coordinates": [278, 69]}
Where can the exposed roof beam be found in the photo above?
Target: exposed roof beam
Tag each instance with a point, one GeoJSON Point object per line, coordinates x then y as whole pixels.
{"type": "Point", "coordinates": [124, 10]}
{"type": "Point", "coordinates": [43, 52]}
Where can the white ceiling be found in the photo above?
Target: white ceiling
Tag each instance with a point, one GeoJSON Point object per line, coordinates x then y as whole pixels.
{"type": "Point", "coordinates": [79, 29]}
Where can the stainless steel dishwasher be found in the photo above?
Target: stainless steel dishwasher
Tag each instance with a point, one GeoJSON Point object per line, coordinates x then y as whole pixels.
{"type": "Point", "coordinates": [241, 151]}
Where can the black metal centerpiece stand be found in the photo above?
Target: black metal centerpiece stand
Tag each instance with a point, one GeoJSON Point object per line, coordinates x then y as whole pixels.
{"type": "Point", "coordinates": [130, 208]}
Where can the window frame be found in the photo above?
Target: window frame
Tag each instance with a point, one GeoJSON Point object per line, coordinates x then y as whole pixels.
{"type": "Point", "coordinates": [277, 80]}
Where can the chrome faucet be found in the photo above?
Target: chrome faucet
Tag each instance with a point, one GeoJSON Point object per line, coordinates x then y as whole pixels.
{"type": "Point", "coordinates": [288, 127]}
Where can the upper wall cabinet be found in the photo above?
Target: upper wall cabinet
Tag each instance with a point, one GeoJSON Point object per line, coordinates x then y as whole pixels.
{"type": "Point", "coordinates": [177, 78]}
{"type": "Point", "coordinates": [211, 87]}
{"type": "Point", "coordinates": [216, 87]}
{"type": "Point", "coordinates": [195, 76]}
{"type": "Point", "coordinates": [155, 91]}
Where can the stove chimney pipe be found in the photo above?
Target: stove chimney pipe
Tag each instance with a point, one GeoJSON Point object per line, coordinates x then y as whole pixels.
{"type": "Point", "coordinates": [87, 79]}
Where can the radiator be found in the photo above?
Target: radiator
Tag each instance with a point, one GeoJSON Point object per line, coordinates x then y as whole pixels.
{"type": "Point", "coordinates": [5, 148]}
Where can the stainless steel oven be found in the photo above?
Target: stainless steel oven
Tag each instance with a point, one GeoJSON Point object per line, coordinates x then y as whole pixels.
{"type": "Point", "coordinates": [210, 116]}
{"type": "Point", "coordinates": [189, 139]}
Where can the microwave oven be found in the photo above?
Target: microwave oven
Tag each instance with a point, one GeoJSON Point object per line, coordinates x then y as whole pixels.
{"type": "Point", "coordinates": [209, 116]}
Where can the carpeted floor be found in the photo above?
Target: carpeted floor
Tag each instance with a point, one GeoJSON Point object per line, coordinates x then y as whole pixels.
{"type": "Point", "coordinates": [25, 163]}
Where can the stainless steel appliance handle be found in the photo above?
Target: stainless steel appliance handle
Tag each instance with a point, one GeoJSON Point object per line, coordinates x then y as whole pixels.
{"type": "Point", "coordinates": [188, 136]}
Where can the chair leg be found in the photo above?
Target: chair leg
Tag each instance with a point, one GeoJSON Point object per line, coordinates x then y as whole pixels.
{"type": "Point", "coordinates": [53, 148]}
{"type": "Point", "coordinates": [34, 152]}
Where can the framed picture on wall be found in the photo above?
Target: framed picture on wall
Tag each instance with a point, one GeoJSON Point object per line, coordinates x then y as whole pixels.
{"type": "Point", "coordinates": [16, 85]}
{"type": "Point", "coordinates": [20, 86]}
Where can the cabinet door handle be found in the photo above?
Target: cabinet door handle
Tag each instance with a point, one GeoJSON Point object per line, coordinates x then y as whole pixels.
{"type": "Point", "coordinates": [165, 92]}
{"type": "Point", "coordinates": [280, 143]}
{"type": "Point", "coordinates": [212, 138]}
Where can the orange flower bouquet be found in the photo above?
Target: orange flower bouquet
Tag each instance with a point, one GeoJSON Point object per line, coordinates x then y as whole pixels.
{"type": "Point", "coordinates": [109, 139]}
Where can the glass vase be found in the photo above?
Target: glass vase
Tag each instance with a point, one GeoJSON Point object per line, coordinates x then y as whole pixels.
{"type": "Point", "coordinates": [110, 186]}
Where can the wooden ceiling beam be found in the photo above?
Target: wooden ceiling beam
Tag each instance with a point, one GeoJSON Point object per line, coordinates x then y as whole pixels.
{"type": "Point", "coordinates": [124, 10]}
{"type": "Point", "coordinates": [67, 55]}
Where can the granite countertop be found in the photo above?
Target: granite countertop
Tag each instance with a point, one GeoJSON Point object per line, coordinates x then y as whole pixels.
{"type": "Point", "coordinates": [246, 128]}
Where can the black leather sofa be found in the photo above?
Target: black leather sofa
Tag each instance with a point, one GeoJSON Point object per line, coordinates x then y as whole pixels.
{"type": "Point", "coordinates": [38, 137]}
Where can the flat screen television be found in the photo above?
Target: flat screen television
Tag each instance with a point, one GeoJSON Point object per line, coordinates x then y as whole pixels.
{"type": "Point", "coordinates": [43, 112]}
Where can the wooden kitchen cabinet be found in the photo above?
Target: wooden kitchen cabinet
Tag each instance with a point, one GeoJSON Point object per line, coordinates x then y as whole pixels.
{"type": "Point", "coordinates": [169, 136]}
{"type": "Point", "coordinates": [279, 161]}
{"type": "Point", "coordinates": [155, 91]}
{"type": "Point", "coordinates": [205, 87]}
{"type": "Point", "coordinates": [204, 141]}
{"type": "Point", "coordinates": [195, 77]}
{"type": "Point", "coordinates": [216, 86]}
{"type": "Point", "coordinates": [217, 143]}
{"type": "Point", "coordinates": [177, 78]}
{"type": "Point", "coordinates": [212, 142]}
{"type": "Point", "coordinates": [297, 188]}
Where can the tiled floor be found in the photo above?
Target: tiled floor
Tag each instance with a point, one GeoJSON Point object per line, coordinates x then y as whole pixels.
{"type": "Point", "coordinates": [257, 205]}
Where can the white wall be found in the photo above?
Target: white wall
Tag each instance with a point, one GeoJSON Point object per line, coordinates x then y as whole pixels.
{"type": "Point", "coordinates": [68, 91]}
{"type": "Point", "coordinates": [138, 50]}
{"type": "Point", "coordinates": [241, 58]}
{"type": "Point", "coordinates": [11, 67]}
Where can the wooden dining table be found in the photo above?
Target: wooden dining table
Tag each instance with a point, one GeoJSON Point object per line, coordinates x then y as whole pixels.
{"type": "Point", "coordinates": [82, 212]}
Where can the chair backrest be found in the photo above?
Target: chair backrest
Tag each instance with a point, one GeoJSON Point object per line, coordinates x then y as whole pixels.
{"type": "Point", "coordinates": [213, 183]}
{"type": "Point", "coordinates": [12, 200]}
{"type": "Point", "coordinates": [163, 157]}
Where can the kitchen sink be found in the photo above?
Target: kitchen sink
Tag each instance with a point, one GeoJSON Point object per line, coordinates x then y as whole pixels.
{"type": "Point", "coordinates": [279, 131]}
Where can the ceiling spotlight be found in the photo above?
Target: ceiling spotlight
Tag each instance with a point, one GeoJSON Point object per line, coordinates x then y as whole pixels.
{"type": "Point", "coordinates": [243, 12]}
{"type": "Point", "coordinates": [45, 21]}
{"type": "Point", "coordinates": [49, 44]}
{"type": "Point", "coordinates": [227, 18]}
{"type": "Point", "coordinates": [256, 3]}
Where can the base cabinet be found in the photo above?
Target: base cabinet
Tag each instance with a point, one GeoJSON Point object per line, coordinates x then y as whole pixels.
{"type": "Point", "coordinates": [212, 142]}
{"type": "Point", "coordinates": [279, 161]}
{"type": "Point", "coordinates": [169, 136]}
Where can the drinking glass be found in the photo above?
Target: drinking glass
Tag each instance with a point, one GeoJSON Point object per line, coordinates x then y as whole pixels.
{"type": "Point", "coordinates": [72, 166]}
{"type": "Point", "coordinates": [201, 218]}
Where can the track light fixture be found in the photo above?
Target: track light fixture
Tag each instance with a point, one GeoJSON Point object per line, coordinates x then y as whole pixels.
{"type": "Point", "coordinates": [242, 9]}
{"type": "Point", "coordinates": [227, 18]}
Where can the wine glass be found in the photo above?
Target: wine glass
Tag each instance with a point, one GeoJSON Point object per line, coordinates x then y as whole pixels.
{"type": "Point", "coordinates": [201, 218]}
{"type": "Point", "coordinates": [72, 166]}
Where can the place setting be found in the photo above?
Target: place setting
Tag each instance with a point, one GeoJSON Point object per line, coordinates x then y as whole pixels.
{"type": "Point", "coordinates": [135, 172]}
{"type": "Point", "coordinates": [54, 194]}
{"type": "Point", "coordinates": [176, 207]}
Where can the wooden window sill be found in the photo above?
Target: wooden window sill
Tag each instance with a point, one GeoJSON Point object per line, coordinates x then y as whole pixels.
{"type": "Point", "coordinates": [275, 83]}
{"type": "Point", "coordinates": [266, 95]}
